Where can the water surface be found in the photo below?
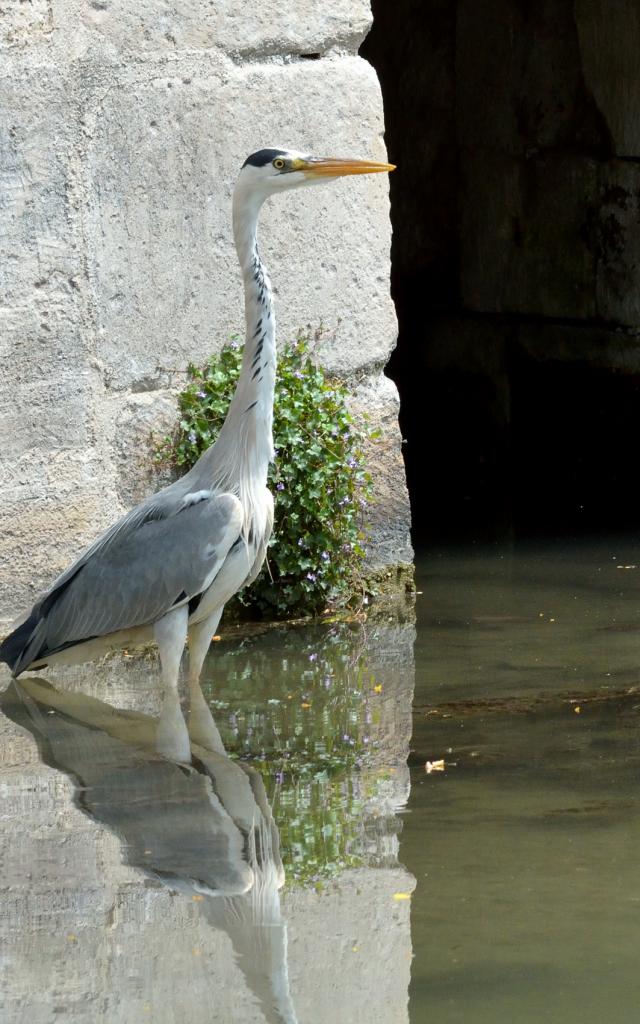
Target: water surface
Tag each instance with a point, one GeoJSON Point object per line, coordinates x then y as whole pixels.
{"type": "Point", "coordinates": [312, 869]}
{"type": "Point", "coordinates": [525, 849]}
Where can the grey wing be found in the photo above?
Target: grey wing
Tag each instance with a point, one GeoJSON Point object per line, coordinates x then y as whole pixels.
{"type": "Point", "coordinates": [156, 559]}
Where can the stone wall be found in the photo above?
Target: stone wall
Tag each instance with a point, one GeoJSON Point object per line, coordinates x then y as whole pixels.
{"type": "Point", "coordinates": [123, 129]}
{"type": "Point", "coordinates": [515, 258]}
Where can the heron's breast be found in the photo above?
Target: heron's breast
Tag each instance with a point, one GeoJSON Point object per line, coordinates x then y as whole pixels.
{"type": "Point", "coordinates": [228, 581]}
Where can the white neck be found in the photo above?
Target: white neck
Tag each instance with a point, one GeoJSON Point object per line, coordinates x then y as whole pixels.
{"type": "Point", "coordinates": [239, 459]}
{"type": "Point", "coordinates": [252, 402]}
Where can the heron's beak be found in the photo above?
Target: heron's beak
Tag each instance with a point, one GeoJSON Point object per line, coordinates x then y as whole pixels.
{"type": "Point", "coordinates": [333, 167]}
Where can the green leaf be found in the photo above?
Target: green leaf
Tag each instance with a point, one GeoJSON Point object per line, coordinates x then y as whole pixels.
{"type": "Point", "coordinates": [320, 462]}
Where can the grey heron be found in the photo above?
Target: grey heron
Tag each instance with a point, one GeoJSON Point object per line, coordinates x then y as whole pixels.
{"type": "Point", "coordinates": [165, 571]}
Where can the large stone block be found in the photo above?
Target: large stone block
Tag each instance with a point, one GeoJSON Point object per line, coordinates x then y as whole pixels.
{"type": "Point", "coordinates": [156, 26]}
{"type": "Point", "coordinates": [389, 543]}
{"type": "Point", "coordinates": [616, 241]}
{"type": "Point", "coordinates": [23, 24]}
{"type": "Point", "coordinates": [609, 43]}
{"type": "Point", "coordinates": [164, 155]}
{"type": "Point", "coordinates": [37, 118]}
{"type": "Point", "coordinates": [139, 425]}
{"type": "Point", "coordinates": [525, 245]}
{"type": "Point", "coordinates": [520, 79]}
{"type": "Point", "coordinates": [52, 478]}
{"type": "Point", "coordinates": [596, 347]}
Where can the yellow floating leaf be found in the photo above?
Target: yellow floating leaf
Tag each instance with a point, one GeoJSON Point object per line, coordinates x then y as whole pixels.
{"type": "Point", "coordinates": [198, 898]}
{"type": "Point", "coordinates": [305, 705]}
{"type": "Point", "coordinates": [216, 637]}
{"type": "Point", "coordinates": [434, 766]}
{"type": "Point", "coordinates": [354, 949]}
{"type": "Point", "coordinates": [577, 709]}
{"type": "Point", "coordinates": [378, 688]}
{"type": "Point", "coordinates": [402, 896]}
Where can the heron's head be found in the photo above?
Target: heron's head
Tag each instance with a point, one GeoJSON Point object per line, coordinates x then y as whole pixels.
{"type": "Point", "coordinates": [274, 170]}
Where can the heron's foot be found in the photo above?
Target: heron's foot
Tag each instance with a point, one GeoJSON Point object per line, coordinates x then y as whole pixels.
{"type": "Point", "coordinates": [172, 736]}
{"type": "Point", "coordinates": [202, 728]}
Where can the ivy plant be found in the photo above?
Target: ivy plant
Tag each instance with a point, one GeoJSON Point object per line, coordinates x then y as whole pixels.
{"type": "Point", "coordinates": [319, 479]}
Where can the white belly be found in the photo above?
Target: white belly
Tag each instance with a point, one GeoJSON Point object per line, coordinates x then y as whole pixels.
{"type": "Point", "coordinates": [228, 582]}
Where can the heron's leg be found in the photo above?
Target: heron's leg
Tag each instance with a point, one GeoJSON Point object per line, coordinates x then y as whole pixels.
{"type": "Point", "coordinates": [172, 738]}
{"type": "Point", "coordinates": [202, 728]}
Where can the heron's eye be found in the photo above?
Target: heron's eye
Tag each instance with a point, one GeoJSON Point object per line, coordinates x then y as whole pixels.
{"type": "Point", "coordinates": [278, 163]}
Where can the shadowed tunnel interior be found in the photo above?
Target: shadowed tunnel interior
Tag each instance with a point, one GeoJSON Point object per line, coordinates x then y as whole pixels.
{"type": "Point", "coordinates": [515, 260]}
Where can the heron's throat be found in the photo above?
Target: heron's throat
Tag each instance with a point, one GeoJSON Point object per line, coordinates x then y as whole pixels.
{"type": "Point", "coordinates": [244, 448]}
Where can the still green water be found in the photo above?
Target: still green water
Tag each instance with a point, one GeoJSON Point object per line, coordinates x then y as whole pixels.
{"type": "Point", "coordinates": [499, 886]}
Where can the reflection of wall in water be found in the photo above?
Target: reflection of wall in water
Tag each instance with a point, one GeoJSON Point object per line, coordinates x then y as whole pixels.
{"type": "Point", "coordinates": [81, 926]}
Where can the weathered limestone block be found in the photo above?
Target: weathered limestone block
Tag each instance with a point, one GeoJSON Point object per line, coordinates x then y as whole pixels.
{"type": "Point", "coordinates": [597, 347]}
{"type": "Point", "coordinates": [166, 152]}
{"type": "Point", "coordinates": [617, 244]}
{"type": "Point", "coordinates": [523, 88]}
{"type": "Point", "coordinates": [389, 543]}
{"type": "Point", "coordinates": [140, 424]}
{"type": "Point", "coordinates": [157, 26]}
{"type": "Point", "coordinates": [52, 478]}
{"type": "Point", "coordinates": [524, 244]}
{"type": "Point", "coordinates": [609, 44]}
{"type": "Point", "coordinates": [23, 24]}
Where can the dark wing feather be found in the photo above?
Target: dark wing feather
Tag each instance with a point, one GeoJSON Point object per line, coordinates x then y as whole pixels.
{"type": "Point", "coordinates": [133, 575]}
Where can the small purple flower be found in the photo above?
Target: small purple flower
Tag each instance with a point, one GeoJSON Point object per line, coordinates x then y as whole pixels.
{"type": "Point", "coordinates": [346, 738]}
{"type": "Point", "coordinates": [201, 394]}
{"type": "Point", "coordinates": [347, 547]}
{"type": "Point", "coordinates": [325, 556]}
{"type": "Point", "coordinates": [312, 576]}
{"type": "Point", "coordinates": [362, 502]}
{"type": "Point", "coordinates": [344, 501]}
{"type": "Point", "coordinates": [296, 373]}
{"type": "Point", "coordinates": [234, 345]}
{"type": "Point", "coordinates": [280, 487]}
{"type": "Point", "coordinates": [313, 657]}
{"type": "Point", "coordinates": [191, 436]}
{"type": "Point", "coordinates": [279, 778]}
{"type": "Point", "coordinates": [351, 462]}
{"type": "Point", "coordinates": [300, 542]}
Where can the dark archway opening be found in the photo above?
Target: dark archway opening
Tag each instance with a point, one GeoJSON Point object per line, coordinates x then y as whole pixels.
{"type": "Point", "coordinates": [515, 260]}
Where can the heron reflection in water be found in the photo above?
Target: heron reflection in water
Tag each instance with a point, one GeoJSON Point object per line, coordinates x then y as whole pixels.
{"type": "Point", "coordinates": [205, 829]}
